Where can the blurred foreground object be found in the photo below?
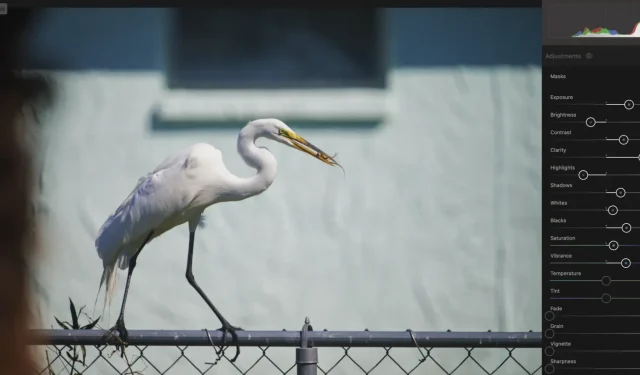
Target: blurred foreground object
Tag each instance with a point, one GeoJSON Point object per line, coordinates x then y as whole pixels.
{"type": "Point", "coordinates": [16, 224]}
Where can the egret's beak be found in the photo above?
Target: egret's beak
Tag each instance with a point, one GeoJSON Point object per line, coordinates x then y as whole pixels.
{"type": "Point", "coordinates": [308, 148]}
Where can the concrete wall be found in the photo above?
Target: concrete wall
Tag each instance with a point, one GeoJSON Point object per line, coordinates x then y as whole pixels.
{"type": "Point", "coordinates": [436, 225]}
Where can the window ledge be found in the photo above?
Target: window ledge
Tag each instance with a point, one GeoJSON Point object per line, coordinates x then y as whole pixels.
{"type": "Point", "coordinates": [317, 104]}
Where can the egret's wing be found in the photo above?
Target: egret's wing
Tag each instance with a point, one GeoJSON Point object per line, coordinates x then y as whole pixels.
{"type": "Point", "coordinates": [175, 160]}
{"type": "Point", "coordinates": [124, 204]}
{"type": "Point", "coordinates": [156, 198]}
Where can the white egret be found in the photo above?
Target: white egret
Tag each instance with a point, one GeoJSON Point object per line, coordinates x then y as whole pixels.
{"type": "Point", "coordinates": [177, 192]}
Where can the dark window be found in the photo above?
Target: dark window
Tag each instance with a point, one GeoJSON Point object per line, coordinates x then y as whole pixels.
{"type": "Point", "coordinates": [276, 48]}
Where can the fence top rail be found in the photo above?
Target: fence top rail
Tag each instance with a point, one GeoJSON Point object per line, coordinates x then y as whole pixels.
{"type": "Point", "coordinates": [292, 338]}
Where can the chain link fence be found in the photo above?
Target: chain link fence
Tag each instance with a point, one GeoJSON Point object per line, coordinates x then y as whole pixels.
{"type": "Point", "coordinates": [270, 352]}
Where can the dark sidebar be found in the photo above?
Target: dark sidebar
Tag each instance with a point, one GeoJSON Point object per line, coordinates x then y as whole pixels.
{"type": "Point", "coordinates": [591, 210]}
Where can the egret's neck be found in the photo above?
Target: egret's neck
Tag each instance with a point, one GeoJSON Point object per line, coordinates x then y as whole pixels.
{"type": "Point", "coordinates": [256, 157]}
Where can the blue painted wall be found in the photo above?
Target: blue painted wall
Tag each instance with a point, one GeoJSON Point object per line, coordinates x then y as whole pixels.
{"type": "Point", "coordinates": [100, 39]}
{"type": "Point", "coordinates": [474, 36]}
{"type": "Point", "coordinates": [133, 39]}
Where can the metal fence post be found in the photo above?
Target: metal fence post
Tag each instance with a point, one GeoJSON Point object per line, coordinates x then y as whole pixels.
{"type": "Point", "coordinates": [306, 356]}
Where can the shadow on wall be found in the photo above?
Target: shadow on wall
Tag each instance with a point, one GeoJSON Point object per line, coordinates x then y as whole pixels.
{"type": "Point", "coordinates": [430, 38]}
{"type": "Point", "coordinates": [404, 38]}
{"type": "Point", "coordinates": [411, 38]}
{"type": "Point", "coordinates": [115, 39]}
{"type": "Point", "coordinates": [158, 124]}
{"type": "Point", "coordinates": [134, 39]}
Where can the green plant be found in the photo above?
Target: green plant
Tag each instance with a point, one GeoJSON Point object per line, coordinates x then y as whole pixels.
{"type": "Point", "coordinates": [72, 352]}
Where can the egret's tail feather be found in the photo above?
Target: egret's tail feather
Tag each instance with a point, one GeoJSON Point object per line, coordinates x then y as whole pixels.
{"type": "Point", "coordinates": [93, 314]}
{"type": "Point", "coordinates": [109, 279]}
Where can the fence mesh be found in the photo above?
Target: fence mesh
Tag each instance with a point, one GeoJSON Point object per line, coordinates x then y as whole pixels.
{"type": "Point", "coordinates": [186, 360]}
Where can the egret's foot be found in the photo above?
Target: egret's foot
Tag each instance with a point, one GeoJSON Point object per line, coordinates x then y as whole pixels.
{"type": "Point", "coordinates": [119, 331]}
{"type": "Point", "coordinates": [228, 328]}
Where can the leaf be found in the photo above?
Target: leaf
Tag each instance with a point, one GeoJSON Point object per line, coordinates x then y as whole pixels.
{"type": "Point", "coordinates": [80, 311]}
{"type": "Point", "coordinates": [61, 324]}
{"type": "Point", "coordinates": [72, 358]}
{"type": "Point", "coordinates": [84, 354]}
{"type": "Point", "coordinates": [74, 315]}
{"type": "Point", "coordinates": [92, 324]}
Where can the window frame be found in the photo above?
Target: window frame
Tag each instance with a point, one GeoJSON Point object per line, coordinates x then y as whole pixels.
{"type": "Point", "coordinates": [173, 81]}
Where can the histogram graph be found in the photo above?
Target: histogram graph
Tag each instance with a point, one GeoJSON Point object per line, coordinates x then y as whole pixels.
{"type": "Point", "coordinates": [592, 22]}
{"type": "Point", "coordinates": [604, 32]}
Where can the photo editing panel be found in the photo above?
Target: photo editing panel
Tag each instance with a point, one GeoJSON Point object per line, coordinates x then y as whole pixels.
{"type": "Point", "coordinates": [591, 187]}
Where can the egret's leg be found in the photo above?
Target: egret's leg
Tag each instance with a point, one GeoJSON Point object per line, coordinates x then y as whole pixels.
{"type": "Point", "coordinates": [226, 327]}
{"type": "Point", "coordinates": [120, 327]}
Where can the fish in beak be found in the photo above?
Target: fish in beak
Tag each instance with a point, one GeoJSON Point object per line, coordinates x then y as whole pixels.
{"type": "Point", "coordinates": [307, 147]}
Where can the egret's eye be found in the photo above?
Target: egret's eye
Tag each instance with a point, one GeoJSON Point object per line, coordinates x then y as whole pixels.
{"type": "Point", "coordinates": [284, 133]}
